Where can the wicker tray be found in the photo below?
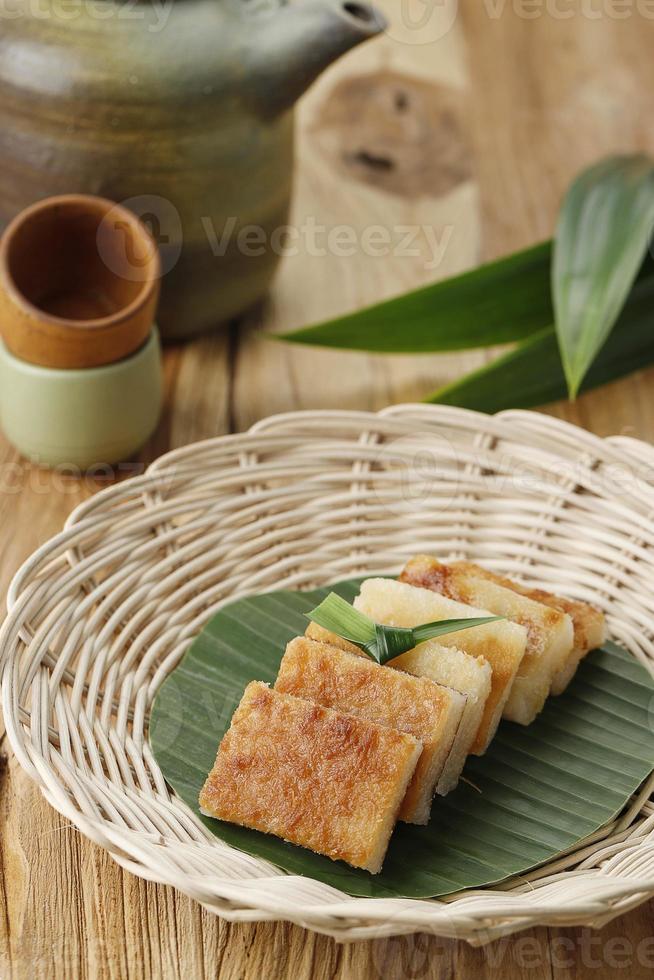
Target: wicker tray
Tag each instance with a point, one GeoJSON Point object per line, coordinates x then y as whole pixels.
{"type": "Point", "coordinates": [103, 612]}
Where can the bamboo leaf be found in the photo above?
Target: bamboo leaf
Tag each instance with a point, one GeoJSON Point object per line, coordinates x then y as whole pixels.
{"type": "Point", "coordinates": [536, 792]}
{"type": "Point", "coordinates": [603, 231]}
{"type": "Point", "coordinates": [497, 303]}
{"type": "Point", "coordinates": [532, 374]}
{"type": "Point", "coordinates": [383, 643]}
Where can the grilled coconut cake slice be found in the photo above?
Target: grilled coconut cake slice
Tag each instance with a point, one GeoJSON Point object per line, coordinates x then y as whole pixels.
{"type": "Point", "coordinates": [356, 685]}
{"type": "Point", "coordinates": [549, 631]}
{"type": "Point", "coordinates": [501, 644]}
{"type": "Point", "coordinates": [315, 777]}
{"type": "Point", "coordinates": [588, 622]}
{"type": "Point", "coordinates": [450, 667]}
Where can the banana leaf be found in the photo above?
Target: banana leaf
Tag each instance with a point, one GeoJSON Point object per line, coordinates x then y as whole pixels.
{"type": "Point", "coordinates": [602, 235]}
{"type": "Point", "coordinates": [532, 374]}
{"type": "Point", "coordinates": [537, 792]}
{"type": "Point", "coordinates": [497, 303]}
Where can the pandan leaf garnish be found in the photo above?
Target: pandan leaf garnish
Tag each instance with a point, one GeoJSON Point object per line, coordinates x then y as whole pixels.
{"type": "Point", "coordinates": [383, 643]}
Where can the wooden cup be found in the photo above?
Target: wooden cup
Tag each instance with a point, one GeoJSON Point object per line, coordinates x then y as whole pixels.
{"type": "Point", "coordinates": [79, 282]}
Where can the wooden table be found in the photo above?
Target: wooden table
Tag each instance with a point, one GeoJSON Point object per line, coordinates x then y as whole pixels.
{"type": "Point", "coordinates": [470, 137]}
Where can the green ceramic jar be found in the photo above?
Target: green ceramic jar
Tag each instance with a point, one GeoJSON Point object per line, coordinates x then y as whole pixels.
{"type": "Point", "coordinates": [80, 360]}
{"type": "Point", "coordinates": [81, 418]}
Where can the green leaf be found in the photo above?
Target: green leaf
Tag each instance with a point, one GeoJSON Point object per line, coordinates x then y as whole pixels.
{"type": "Point", "coordinates": [339, 616]}
{"type": "Point", "coordinates": [536, 792]}
{"type": "Point", "coordinates": [531, 374]}
{"type": "Point", "coordinates": [497, 303]}
{"type": "Point", "coordinates": [603, 232]}
{"type": "Point", "coordinates": [383, 643]}
{"type": "Point", "coordinates": [442, 627]}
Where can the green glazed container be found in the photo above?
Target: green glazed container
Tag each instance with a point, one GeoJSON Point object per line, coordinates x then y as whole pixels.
{"type": "Point", "coordinates": [82, 418]}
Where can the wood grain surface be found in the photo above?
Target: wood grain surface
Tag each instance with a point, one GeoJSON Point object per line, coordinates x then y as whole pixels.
{"type": "Point", "coordinates": [468, 135]}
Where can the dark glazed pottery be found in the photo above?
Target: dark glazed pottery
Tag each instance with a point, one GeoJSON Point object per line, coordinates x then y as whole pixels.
{"type": "Point", "coordinates": [179, 109]}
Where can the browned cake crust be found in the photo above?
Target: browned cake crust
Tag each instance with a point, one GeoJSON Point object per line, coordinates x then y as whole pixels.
{"type": "Point", "coordinates": [315, 777]}
{"type": "Point", "coordinates": [588, 622]}
{"type": "Point", "coordinates": [336, 679]}
{"type": "Point", "coordinates": [501, 644]}
{"type": "Point", "coordinates": [468, 675]}
{"type": "Point", "coordinates": [549, 631]}
{"type": "Point", "coordinates": [454, 581]}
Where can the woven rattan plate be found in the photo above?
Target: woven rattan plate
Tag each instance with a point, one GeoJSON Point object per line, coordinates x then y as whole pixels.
{"type": "Point", "coordinates": [101, 614]}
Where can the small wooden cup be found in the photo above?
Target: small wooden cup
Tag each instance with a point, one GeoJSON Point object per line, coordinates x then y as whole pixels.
{"type": "Point", "coordinates": [79, 282]}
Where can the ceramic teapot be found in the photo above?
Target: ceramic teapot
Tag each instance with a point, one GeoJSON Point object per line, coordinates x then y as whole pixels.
{"type": "Point", "coordinates": [180, 109]}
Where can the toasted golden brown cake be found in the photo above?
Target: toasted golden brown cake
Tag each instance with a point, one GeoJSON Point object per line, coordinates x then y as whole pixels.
{"type": "Point", "coordinates": [549, 631]}
{"type": "Point", "coordinates": [502, 644]}
{"type": "Point", "coordinates": [357, 685]}
{"type": "Point", "coordinates": [470, 676]}
{"type": "Point", "coordinates": [588, 622]}
{"type": "Point", "coordinates": [315, 777]}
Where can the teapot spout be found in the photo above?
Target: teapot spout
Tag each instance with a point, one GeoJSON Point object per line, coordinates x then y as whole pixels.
{"type": "Point", "coordinates": [293, 47]}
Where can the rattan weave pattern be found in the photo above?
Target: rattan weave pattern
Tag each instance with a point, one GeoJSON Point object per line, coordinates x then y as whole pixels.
{"type": "Point", "coordinates": [100, 614]}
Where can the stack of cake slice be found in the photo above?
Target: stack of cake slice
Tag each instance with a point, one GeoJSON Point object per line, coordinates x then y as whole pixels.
{"type": "Point", "coordinates": [589, 626]}
{"type": "Point", "coordinates": [469, 676]}
{"type": "Point", "coordinates": [341, 747]}
{"type": "Point", "coordinates": [358, 686]}
{"type": "Point", "coordinates": [560, 631]}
